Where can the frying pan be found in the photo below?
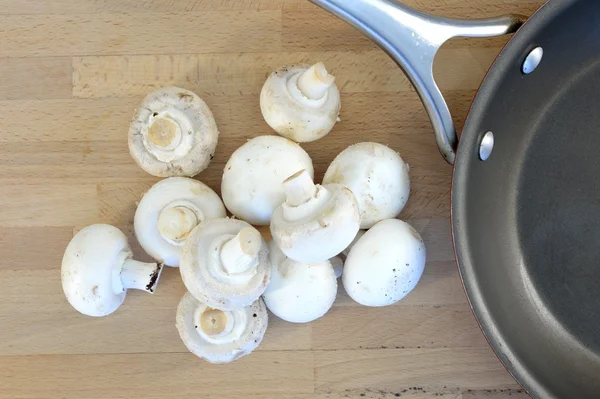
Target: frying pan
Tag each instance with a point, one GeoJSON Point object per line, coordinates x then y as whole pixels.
{"type": "Point", "coordinates": [526, 182]}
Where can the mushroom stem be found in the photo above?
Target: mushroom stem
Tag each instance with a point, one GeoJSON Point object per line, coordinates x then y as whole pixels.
{"type": "Point", "coordinates": [140, 275]}
{"type": "Point", "coordinates": [165, 133]}
{"type": "Point", "coordinates": [299, 188]}
{"type": "Point", "coordinates": [315, 81]}
{"type": "Point", "coordinates": [176, 222]}
{"type": "Point", "coordinates": [338, 266]}
{"type": "Point", "coordinates": [214, 322]}
{"type": "Point", "coordinates": [239, 253]}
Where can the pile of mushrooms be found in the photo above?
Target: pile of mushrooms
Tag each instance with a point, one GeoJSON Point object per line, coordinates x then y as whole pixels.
{"type": "Point", "coordinates": [344, 227]}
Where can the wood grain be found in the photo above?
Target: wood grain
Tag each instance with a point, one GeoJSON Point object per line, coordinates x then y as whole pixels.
{"type": "Point", "coordinates": [245, 73]}
{"type": "Point", "coordinates": [34, 248]}
{"type": "Point", "coordinates": [392, 369]}
{"type": "Point", "coordinates": [144, 33]}
{"type": "Point", "coordinates": [421, 326]}
{"type": "Point", "coordinates": [72, 72]}
{"type": "Point", "coordinates": [150, 375]}
{"type": "Point", "coordinates": [53, 78]}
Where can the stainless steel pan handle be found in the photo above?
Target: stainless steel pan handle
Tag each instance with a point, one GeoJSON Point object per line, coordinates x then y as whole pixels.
{"type": "Point", "coordinates": [412, 39]}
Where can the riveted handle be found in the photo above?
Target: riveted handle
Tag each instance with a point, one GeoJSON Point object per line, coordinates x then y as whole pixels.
{"type": "Point", "coordinates": [412, 39]}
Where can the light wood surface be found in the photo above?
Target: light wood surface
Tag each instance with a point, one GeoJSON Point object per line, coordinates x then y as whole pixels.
{"type": "Point", "coordinates": [71, 74]}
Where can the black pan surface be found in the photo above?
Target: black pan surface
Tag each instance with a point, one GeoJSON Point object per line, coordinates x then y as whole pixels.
{"type": "Point", "coordinates": [526, 222]}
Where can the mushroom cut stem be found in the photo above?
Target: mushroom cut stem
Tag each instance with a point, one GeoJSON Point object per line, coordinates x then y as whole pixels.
{"type": "Point", "coordinates": [299, 188]}
{"type": "Point", "coordinates": [140, 275]}
{"type": "Point", "coordinates": [165, 133]}
{"type": "Point", "coordinates": [176, 222]}
{"type": "Point", "coordinates": [214, 322]}
{"type": "Point", "coordinates": [240, 253]}
{"type": "Point", "coordinates": [315, 81]}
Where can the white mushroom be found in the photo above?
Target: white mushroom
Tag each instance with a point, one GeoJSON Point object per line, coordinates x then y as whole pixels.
{"type": "Point", "coordinates": [98, 269]}
{"type": "Point", "coordinates": [385, 264]}
{"type": "Point", "coordinates": [301, 102]}
{"type": "Point", "coordinates": [220, 336]}
{"type": "Point", "coordinates": [225, 263]}
{"type": "Point", "coordinates": [376, 175]}
{"type": "Point", "coordinates": [315, 222]}
{"type": "Point", "coordinates": [173, 133]}
{"type": "Point", "coordinates": [299, 292]}
{"type": "Point", "coordinates": [252, 185]}
{"type": "Point", "coordinates": [169, 211]}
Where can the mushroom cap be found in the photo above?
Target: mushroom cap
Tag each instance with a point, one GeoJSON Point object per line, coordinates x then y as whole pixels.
{"type": "Point", "coordinates": [204, 276]}
{"type": "Point", "coordinates": [91, 268]}
{"type": "Point", "coordinates": [292, 119]}
{"type": "Point", "coordinates": [376, 175]}
{"type": "Point", "coordinates": [252, 185]}
{"type": "Point", "coordinates": [245, 330]}
{"type": "Point", "coordinates": [322, 234]}
{"type": "Point", "coordinates": [385, 264]}
{"type": "Point", "coordinates": [178, 115]}
{"type": "Point", "coordinates": [299, 292]}
{"type": "Point", "coordinates": [174, 191]}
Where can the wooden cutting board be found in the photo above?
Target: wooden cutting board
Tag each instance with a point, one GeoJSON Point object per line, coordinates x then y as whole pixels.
{"type": "Point", "coordinates": [71, 74]}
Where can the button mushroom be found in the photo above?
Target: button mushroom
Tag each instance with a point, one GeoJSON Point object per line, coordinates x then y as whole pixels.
{"type": "Point", "coordinates": [385, 264]}
{"type": "Point", "coordinates": [376, 175]}
{"type": "Point", "coordinates": [225, 263]}
{"type": "Point", "coordinates": [301, 102]}
{"type": "Point", "coordinates": [173, 133]}
{"type": "Point", "coordinates": [220, 336]}
{"type": "Point", "coordinates": [315, 222]}
{"type": "Point", "coordinates": [299, 292]}
{"type": "Point", "coordinates": [98, 269]}
{"type": "Point", "coordinates": [252, 185]}
{"type": "Point", "coordinates": [169, 211]}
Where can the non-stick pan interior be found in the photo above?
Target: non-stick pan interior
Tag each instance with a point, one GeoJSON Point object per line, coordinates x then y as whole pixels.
{"type": "Point", "coordinates": [527, 220]}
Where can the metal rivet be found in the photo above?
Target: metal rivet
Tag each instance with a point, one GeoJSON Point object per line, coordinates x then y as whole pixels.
{"type": "Point", "coordinates": [486, 146]}
{"type": "Point", "coordinates": [532, 61]}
